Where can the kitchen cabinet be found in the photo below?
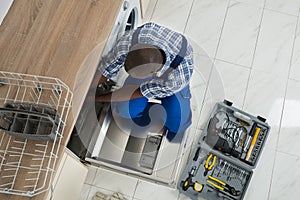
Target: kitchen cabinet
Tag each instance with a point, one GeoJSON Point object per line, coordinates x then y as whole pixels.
{"type": "Point", "coordinates": [61, 39]}
{"type": "Point", "coordinates": [69, 178]}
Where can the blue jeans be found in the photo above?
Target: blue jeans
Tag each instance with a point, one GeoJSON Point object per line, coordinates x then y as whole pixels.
{"type": "Point", "coordinates": [175, 110]}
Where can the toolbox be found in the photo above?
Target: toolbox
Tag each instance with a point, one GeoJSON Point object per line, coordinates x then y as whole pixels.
{"type": "Point", "coordinates": [222, 163]}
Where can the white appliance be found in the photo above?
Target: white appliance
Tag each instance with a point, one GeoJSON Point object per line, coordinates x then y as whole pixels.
{"type": "Point", "coordinates": [128, 18]}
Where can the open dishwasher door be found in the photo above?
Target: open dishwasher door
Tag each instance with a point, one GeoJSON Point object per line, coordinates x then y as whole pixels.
{"type": "Point", "coordinates": [102, 138]}
{"type": "Point", "coordinates": [149, 154]}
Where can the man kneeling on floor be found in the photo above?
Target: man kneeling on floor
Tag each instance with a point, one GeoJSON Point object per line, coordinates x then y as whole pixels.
{"type": "Point", "coordinates": [160, 64]}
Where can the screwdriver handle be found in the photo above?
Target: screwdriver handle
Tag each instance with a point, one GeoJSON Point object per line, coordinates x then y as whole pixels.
{"type": "Point", "coordinates": [252, 143]}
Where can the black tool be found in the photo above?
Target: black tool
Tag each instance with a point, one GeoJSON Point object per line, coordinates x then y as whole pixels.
{"type": "Point", "coordinates": [221, 192]}
{"type": "Point", "coordinates": [188, 182]}
{"type": "Point", "coordinates": [105, 87]}
{"type": "Point", "coordinates": [197, 154]}
{"type": "Point", "coordinates": [220, 185]}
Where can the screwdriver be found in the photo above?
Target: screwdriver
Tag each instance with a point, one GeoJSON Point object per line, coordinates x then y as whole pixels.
{"type": "Point", "coordinates": [251, 134]}
{"type": "Point", "coordinates": [257, 130]}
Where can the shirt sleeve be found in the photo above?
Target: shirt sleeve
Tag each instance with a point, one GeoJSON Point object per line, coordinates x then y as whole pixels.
{"type": "Point", "coordinates": [111, 63]}
{"type": "Point", "coordinates": [161, 88]}
{"type": "Point", "coordinates": [176, 80]}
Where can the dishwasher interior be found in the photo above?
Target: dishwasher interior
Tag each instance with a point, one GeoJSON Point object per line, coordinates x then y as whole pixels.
{"type": "Point", "coordinates": [102, 138]}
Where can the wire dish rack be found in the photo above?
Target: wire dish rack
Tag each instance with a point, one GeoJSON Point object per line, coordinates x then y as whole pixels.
{"type": "Point", "coordinates": [26, 164]}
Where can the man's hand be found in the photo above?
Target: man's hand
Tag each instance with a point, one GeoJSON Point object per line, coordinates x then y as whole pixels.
{"type": "Point", "coordinates": [125, 93]}
{"type": "Point", "coordinates": [98, 79]}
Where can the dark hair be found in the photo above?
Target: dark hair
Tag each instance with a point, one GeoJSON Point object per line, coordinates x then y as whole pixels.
{"type": "Point", "coordinates": [141, 53]}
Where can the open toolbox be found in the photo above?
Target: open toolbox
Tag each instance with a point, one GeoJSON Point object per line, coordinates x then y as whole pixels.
{"type": "Point", "coordinates": [221, 165]}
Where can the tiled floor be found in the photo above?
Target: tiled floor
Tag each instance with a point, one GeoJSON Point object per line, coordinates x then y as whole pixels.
{"type": "Point", "coordinates": [255, 48]}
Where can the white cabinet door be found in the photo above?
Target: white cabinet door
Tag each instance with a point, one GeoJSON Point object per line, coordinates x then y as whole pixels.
{"type": "Point", "coordinates": [69, 179]}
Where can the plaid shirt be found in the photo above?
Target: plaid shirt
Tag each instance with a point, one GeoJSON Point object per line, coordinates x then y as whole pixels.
{"type": "Point", "coordinates": [167, 40]}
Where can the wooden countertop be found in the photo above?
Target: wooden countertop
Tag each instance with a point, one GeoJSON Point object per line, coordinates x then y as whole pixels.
{"type": "Point", "coordinates": [55, 38]}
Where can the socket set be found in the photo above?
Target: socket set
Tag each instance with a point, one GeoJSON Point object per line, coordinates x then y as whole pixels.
{"type": "Point", "coordinates": [222, 163]}
{"type": "Point", "coordinates": [29, 121]}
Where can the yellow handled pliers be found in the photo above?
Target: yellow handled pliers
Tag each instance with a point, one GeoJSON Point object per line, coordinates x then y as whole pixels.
{"type": "Point", "coordinates": [209, 163]}
{"type": "Point", "coordinates": [221, 185]}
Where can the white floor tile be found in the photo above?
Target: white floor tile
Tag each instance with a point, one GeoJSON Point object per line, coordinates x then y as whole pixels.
{"type": "Point", "coordinates": [295, 67]}
{"type": "Point", "coordinates": [261, 179]}
{"type": "Point", "coordinates": [264, 97]}
{"type": "Point", "coordinates": [94, 190]}
{"type": "Point", "coordinates": [85, 191]}
{"type": "Point", "coordinates": [275, 42]}
{"type": "Point", "coordinates": [205, 24]}
{"type": "Point", "coordinates": [149, 191]}
{"type": "Point", "coordinates": [289, 136]}
{"type": "Point", "coordinates": [172, 14]}
{"type": "Point", "coordinates": [287, 6]}
{"type": "Point", "coordinates": [149, 11]}
{"type": "Point", "coordinates": [215, 93]}
{"type": "Point", "coordinates": [198, 84]}
{"type": "Point", "coordinates": [91, 175]}
{"type": "Point", "coordinates": [235, 79]}
{"type": "Point", "coordinates": [71, 179]}
{"type": "Point", "coordinates": [285, 182]}
{"type": "Point", "coordinates": [259, 3]}
{"type": "Point", "coordinates": [199, 101]}
{"type": "Point", "coordinates": [202, 69]}
{"type": "Point", "coordinates": [240, 32]}
{"type": "Point", "coordinates": [113, 181]}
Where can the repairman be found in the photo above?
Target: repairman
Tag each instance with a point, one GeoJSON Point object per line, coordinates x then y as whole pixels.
{"type": "Point", "coordinates": [160, 64]}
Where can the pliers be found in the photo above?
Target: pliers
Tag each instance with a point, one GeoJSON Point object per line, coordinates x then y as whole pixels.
{"type": "Point", "coordinates": [209, 164]}
{"type": "Point", "coordinates": [220, 185]}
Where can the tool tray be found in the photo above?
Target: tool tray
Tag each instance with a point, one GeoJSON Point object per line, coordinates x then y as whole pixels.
{"type": "Point", "coordinates": [221, 165]}
{"type": "Point", "coordinates": [29, 121]}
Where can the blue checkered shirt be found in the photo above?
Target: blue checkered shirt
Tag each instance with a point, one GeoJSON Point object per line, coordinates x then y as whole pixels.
{"type": "Point", "coordinates": [164, 38]}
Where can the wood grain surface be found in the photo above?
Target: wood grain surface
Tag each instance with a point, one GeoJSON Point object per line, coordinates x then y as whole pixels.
{"type": "Point", "coordinates": [57, 38]}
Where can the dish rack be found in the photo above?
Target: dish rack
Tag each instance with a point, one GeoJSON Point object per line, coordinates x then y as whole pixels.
{"type": "Point", "coordinates": [27, 159]}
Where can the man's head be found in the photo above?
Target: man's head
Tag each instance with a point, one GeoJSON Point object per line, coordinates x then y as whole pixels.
{"type": "Point", "coordinates": [143, 60]}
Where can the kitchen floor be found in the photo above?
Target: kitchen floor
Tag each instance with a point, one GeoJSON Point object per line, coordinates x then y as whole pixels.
{"type": "Point", "coordinates": [247, 51]}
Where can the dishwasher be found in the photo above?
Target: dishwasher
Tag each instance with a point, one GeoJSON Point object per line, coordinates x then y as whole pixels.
{"type": "Point", "coordinates": [102, 138]}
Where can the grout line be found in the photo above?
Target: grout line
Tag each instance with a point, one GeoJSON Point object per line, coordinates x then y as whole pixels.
{"type": "Point", "coordinates": [279, 12]}
{"type": "Point", "coordinates": [253, 56]}
{"type": "Point", "coordinates": [136, 185]}
{"type": "Point", "coordinates": [213, 63]}
{"type": "Point", "coordinates": [189, 15]}
{"type": "Point", "coordinates": [225, 61]}
{"type": "Point", "coordinates": [283, 107]}
{"type": "Point", "coordinates": [154, 8]}
{"type": "Point", "coordinates": [271, 180]}
{"type": "Point", "coordinates": [257, 5]}
{"type": "Point", "coordinates": [94, 178]}
{"type": "Point", "coordinates": [293, 79]}
{"type": "Point", "coordinates": [88, 195]}
{"type": "Point", "coordinates": [289, 154]}
{"type": "Point", "coordinates": [219, 41]}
